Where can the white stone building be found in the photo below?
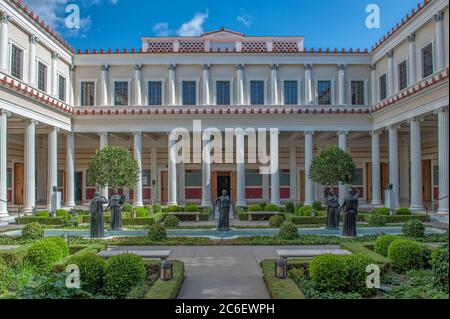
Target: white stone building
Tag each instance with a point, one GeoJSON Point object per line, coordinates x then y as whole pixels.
{"type": "Point", "coordinates": [387, 106]}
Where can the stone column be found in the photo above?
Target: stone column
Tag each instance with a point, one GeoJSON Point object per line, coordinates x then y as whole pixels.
{"type": "Point", "coordinates": [309, 156]}
{"type": "Point", "coordinates": [138, 84]}
{"type": "Point", "coordinates": [32, 68]}
{"type": "Point", "coordinates": [293, 174]}
{"type": "Point", "coordinates": [266, 188]}
{"type": "Point", "coordinates": [52, 162]}
{"type": "Point", "coordinates": [412, 59]}
{"type": "Point", "coordinates": [182, 184]}
{"type": "Point", "coordinates": [274, 84]}
{"type": "Point", "coordinates": [172, 174]}
{"type": "Point", "coordinates": [240, 168]}
{"type": "Point", "coordinates": [416, 166]}
{"type": "Point", "coordinates": [154, 173]}
{"type": "Point", "coordinates": [342, 137]}
{"type": "Point", "coordinates": [172, 84]}
{"type": "Point", "coordinates": [55, 58]}
{"type": "Point", "coordinates": [240, 84]}
{"type": "Point", "coordinates": [275, 167]}
{"type": "Point", "coordinates": [341, 83]}
{"type": "Point", "coordinates": [103, 143]}
{"type": "Point", "coordinates": [3, 164]}
{"type": "Point", "coordinates": [72, 85]}
{"type": "Point", "coordinates": [30, 167]}
{"type": "Point", "coordinates": [443, 160]}
{"type": "Point", "coordinates": [104, 85]}
{"type": "Point", "coordinates": [206, 85]}
{"type": "Point", "coordinates": [440, 41]}
{"type": "Point", "coordinates": [206, 171]}
{"type": "Point", "coordinates": [138, 202]}
{"type": "Point", "coordinates": [373, 83]}
{"type": "Point", "coordinates": [309, 93]}
{"type": "Point", "coordinates": [41, 169]}
{"type": "Point", "coordinates": [393, 161]}
{"type": "Point", "coordinates": [376, 167]}
{"type": "Point", "coordinates": [70, 170]}
{"type": "Point", "coordinates": [390, 73]}
{"type": "Point", "coordinates": [403, 153]}
{"type": "Point", "coordinates": [5, 19]}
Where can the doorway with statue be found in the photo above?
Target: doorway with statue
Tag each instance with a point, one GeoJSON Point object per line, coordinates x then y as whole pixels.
{"type": "Point", "coordinates": [221, 181]}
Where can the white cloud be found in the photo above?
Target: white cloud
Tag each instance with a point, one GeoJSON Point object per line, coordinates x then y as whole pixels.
{"type": "Point", "coordinates": [193, 27]}
{"type": "Point", "coordinates": [245, 19]}
{"type": "Point", "coordinates": [161, 29]}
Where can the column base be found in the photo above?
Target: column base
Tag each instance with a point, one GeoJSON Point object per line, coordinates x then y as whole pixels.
{"type": "Point", "coordinates": [377, 203]}
{"type": "Point", "coordinates": [417, 208]}
{"type": "Point", "coordinates": [241, 204]}
{"type": "Point", "coordinates": [172, 204]}
{"type": "Point", "coordinates": [278, 203]}
{"type": "Point", "coordinates": [206, 204]}
{"type": "Point", "coordinates": [5, 220]}
{"type": "Point", "coordinates": [70, 205]}
{"type": "Point", "coordinates": [443, 211]}
{"type": "Point", "coordinates": [138, 204]}
{"type": "Point", "coordinates": [308, 203]}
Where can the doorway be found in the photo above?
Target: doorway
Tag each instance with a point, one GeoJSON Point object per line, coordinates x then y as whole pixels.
{"type": "Point", "coordinates": [78, 187]}
{"type": "Point", "coordinates": [223, 183]}
{"type": "Point", "coordinates": [164, 186]}
{"type": "Point", "coordinates": [18, 183]}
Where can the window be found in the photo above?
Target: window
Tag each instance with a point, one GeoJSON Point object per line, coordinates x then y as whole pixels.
{"type": "Point", "coordinates": [9, 178]}
{"type": "Point", "coordinates": [359, 177]}
{"type": "Point", "coordinates": [16, 62]}
{"type": "Point", "coordinates": [402, 76]}
{"type": "Point", "coordinates": [290, 92]}
{"type": "Point", "coordinates": [257, 92]}
{"type": "Point", "coordinates": [60, 179]}
{"type": "Point", "coordinates": [357, 92]}
{"type": "Point", "coordinates": [155, 93]}
{"type": "Point", "coordinates": [253, 178]}
{"type": "Point", "coordinates": [146, 178]}
{"type": "Point", "coordinates": [324, 92]}
{"type": "Point", "coordinates": [121, 93]}
{"type": "Point", "coordinates": [427, 61]}
{"type": "Point", "coordinates": [436, 175]}
{"type": "Point", "coordinates": [61, 88]}
{"type": "Point", "coordinates": [189, 90]}
{"type": "Point", "coordinates": [383, 88]}
{"type": "Point", "coordinates": [87, 93]}
{"type": "Point", "coordinates": [285, 178]}
{"type": "Point", "coordinates": [193, 178]}
{"type": "Point", "coordinates": [42, 76]}
{"type": "Point", "coordinates": [223, 93]}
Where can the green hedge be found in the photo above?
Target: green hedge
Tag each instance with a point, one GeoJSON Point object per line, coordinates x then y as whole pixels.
{"type": "Point", "coordinates": [279, 288]}
{"type": "Point", "coordinates": [58, 221]}
{"type": "Point", "coordinates": [168, 289]}
{"type": "Point", "coordinates": [305, 220]}
{"type": "Point", "coordinates": [360, 248]}
{"type": "Point", "coordinates": [14, 257]}
{"type": "Point", "coordinates": [401, 218]}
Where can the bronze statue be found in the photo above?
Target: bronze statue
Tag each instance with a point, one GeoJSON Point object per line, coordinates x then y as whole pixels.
{"type": "Point", "coordinates": [97, 221]}
{"type": "Point", "coordinates": [223, 203]}
{"type": "Point", "coordinates": [332, 209]}
{"type": "Point", "coordinates": [350, 205]}
{"type": "Point", "coordinates": [115, 206]}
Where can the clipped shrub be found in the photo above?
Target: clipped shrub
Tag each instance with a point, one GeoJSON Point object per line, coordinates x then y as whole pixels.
{"type": "Point", "coordinates": [42, 213]}
{"type": "Point", "coordinates": [328, 273]}
{"type": "Point", "coordinates": [413, 228]}
{"type": "Point", "coordinates": [92, 271]}
{"type": "Point", "coordinates": [42, 255]}
{"type": "Point", "coordinates": [173, 209]}
{"type": "Point", "coordinates": [123, 272]}
{"type": "Point", "coordinates": [256, 208]}
{"type": "Point", "coordinates": [61, 213]}
{"type": "Point", "coordinates": [403, 211]}
{"type": "Point", "coordinates": [127, 207]}
{"type": "Point", "coordinates": [381, 211]}
{"type": "Point", "coordinates": [305, 211]}
{"type": "Point", "coordinates": [288, 231]}
{"type": "Point", "coordinates": [191, 208]}
{"type": "Point", "coordinates": [271, 208]}
{"type": "Point", "coordinates": [276, 221]}
{"type": "Point", "coordinates": [171, 221]}
{"type": "Point", "coordinates": [356, 265]}
{"type": "Point", "coordinates": [383, 242]}
{"type": "Point", "coordinates": [440, 269]}
{"type": "Point", "coordinates": [33, 231]}
{"type": "Point", "coordinates": [408, 255]}
{"type": "Point", "coordinates": [377, 220]}
{"type": "Point", "coordinates": [6, 277]}
{"type": "Point", "coordinates": [156, 208]}
{"type": "Point", "coordinates": [61, 243]}
{"type": "Point", "coordinates": [289, 208]}
{"type": "Point", "coordinates": [317, 206]}
{"type": "Point", "coordinates": [157, 232]}
{"type": "Point", "coordinates": [141, 212]}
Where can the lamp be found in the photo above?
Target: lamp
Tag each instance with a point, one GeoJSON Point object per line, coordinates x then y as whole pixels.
{"type": "Point", "coordinates": [281, 269]}
{"type": "Point", "coordinates": [166, 270]}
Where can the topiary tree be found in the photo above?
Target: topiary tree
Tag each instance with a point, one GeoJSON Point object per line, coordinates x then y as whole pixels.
{"type": "Point", "coordinates": [114, 167]}
{"type": "Point", "coordinates": [413, 228]}
{"type": "Point", "coordinates": [92, 271]}
{"type": "Point", "coordinates": [33, 231]}
{"type": "Point", "coordinates": [122, 273]}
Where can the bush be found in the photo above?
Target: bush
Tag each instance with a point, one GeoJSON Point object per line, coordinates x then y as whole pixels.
{"type": "Point", "coordinates": [414, 228]}
{"type": "Point", "coordinates": [61, 243]}
{"type": "Point", "coordinates": [382, 244]}
{"type": "Point", "coordinates": [42, 214]}
{"type": "Point", "coordinates": [317, 206]}
{"type": "Point", "coordinates": [92, 271]}
{"type": "Point", "coordinates": [403, 211]}
{"type": "Point", "coordinates": [61, 213]}
{"type": "Point", "coordinates": [127, 207]}
{"type": "Point", "coordinates": [171, 221]}
{"type": "Point", "coordinates": [123, 272]}
{"type": "Point", "coordinates": [271, 208]}
{"type": "Point", "coordinates": [6, 277]}
{"type": "Point", "coordinates": [156, 208]}
{"type": "Point", "coordinates": [328, 273]}
{"type": "Point", "coordinates": [440, 269]}
{"type": "Point", "coordinates": [276, 221]}
{"type": "Point", "coordinates": [157, 232]}
{"type": "Point", "coordinates": [377, 220]}
{"type": "Point", "coordinates": [356, 265]}
{"type": "Point", "coordinates": [305, 211]}
{"type": "Point", "coordinates": [408, 255]}
{"type": "Point", "coordinates": [141, 212]}
{"type": "Point", "coordinates": [381, 210]}
{"type": "Point", "coordinates": [43, 254]}
{"type": "Point", "coordinates": [191, 208]}
{"type": "Point", "coordinates": [173, 209]}
{"type": "Point", "coordinates": [33, 231]}
{"type": "Point", "coordinates": [255, 208]}
{"type": "Point", "coordinates": [289, 208]}
{"type": "Point", "coordinates": [288, 231]}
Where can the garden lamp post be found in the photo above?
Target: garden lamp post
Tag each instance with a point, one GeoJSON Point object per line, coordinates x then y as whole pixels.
{"type": "Point", "coordinates": [166, 270]}
{"type": "Point", "coordinates": [281, 269]}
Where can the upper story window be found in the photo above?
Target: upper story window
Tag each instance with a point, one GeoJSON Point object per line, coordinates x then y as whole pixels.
{"type": "Point", "coordinates": [253, 178]}
{"type": "Point", "coordinates": [357, 88]}
{"type": "Point", "coordinates": [383, 87]}
{"type": "Point", "coordinates": [9, 178]}
{"type": "Point", "coordinates": [291, 93]}
{"type": "Point", "coordinates": [257, 92]}
{"type": "Point", "coordinates": [120, 93]}
{"type": "Point", "coordinates": [402, 76]}
{"type": "Point", "coordinates": [42, 76]}
{"type": "Point", "coordinates": [154, 93]}
{"type": "Point", "coordinates": [223, 89]}
{"type": "Point", "coordinates": [324, 92]}
{"type": "Point", "coordinates": [285, 178]}
{"type": "Point", "coordinates": [61, 88]}
{"type": "Point", "coordinates": [16, 62]}
{"type": "Point", "coordinates": [427, 61]}
{"type": "Point", "coordinates": [87, 93]}
{"type": "Point", "coordinates": [189, 90]}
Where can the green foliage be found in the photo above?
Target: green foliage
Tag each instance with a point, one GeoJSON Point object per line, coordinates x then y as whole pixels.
{"type": "Point", "coordinates": [123, 272]}
{"type": "Point", "coordinates": [328, 273]}
{"type": "Point", "coordinates": [157, 232]}
{"type": "Point", "coordinates": [333, 166]}
{"type": "Point", "coordinates": [61, 243]}
{"type": "Point", "coordinates": [70, 221]}
{"type": "Point", "coordinates": [173, 209]}
{"type": "Point", "coordinates": [440, 269]}
{"type": "Point", "coordinates": [43, 254]}
{"type": "Point", "coordinates": [191, 208]}
{"type": "Point", "coordinates": [403, 211]}
{"type": "Point", "coordinates": [61, 213]}
{"type": "Point", "coordinates": [14, 257]}
{"type": "Point", "coordinates": [356, 265]}
{"type": "Point", "coordinates": [33, 231]}
{"type": "Point", "coordinates": [113, 166]}
{"type": "Point", "coordinates": [288, 231]}
{"type": "Point", "coordinates": [156, 208]}
{"type": "Point", "coordinates": [156, 218]}
{"type": "Point", "coordinates": [305, 211]}
{"type": "Point", "coordinates": [276, 221]}
{"type": "Point", "coordinates": [139, 291]}
{"type": "Point", "coordinates": [6, 277]}
{"type": "Point", "coordinates": [317, 206]}
{"type": "Point", "coordinates": [271, 208]}
{"type": "Point", "coordinates": [42, 214]}
{"type": "Point", "coordinates": [414, 228]}
{"type": "Point", "coordinates": [92, 271]}
{"type": "Point", "coordinates": [306, 220]}
{"type": "Point", "coordinates": [141, 212]}
{"type": "Point", "coordinates": [360, 248]}
{"type": "Point", "coordinates": [408, 255]}
{"type": "Point", "coordinates": [377, 220]}
{"type": "Point", "coordinates": [381, 211]}
{"type": "Point", "coordinates": [289, 207]}
{"type": "Point", "coordinates": [127, 207]}
{"type": "Point", "coordinates": [256, 208]}
{"type": "Point", "coordinates": [381, 245]}
{"type": "Point", "coordinates": [171, 221]}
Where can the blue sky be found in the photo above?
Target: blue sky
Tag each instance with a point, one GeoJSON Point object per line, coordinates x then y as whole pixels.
{"type": "Point", "coordinates": [121, 23]}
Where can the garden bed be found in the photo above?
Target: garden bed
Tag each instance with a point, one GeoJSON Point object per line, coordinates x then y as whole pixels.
{"type": "Point", "coordinates": [168, 289]}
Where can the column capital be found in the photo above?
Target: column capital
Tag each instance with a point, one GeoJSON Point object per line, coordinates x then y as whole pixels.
{"type": "Point", "coordinates": [412, 37]}
{"type": "Point", "coordinates": [72, 68]}
{"type": "Point", "coordinates": [5, 113]}
{"type": "Point", "coordinates": [390, 54]}
{"type": "Point", "coordinates": [5, 18]}
{"type": "Point", "coordinates": [138, 67]}
{"type": "Point", "coordinates": [310, 132]}
{"type": "Point", "coordinates": [103, 134]}
{"type": "Point", "coordinates": [137, 133]}
{"type": "Point", "coordinates": [206, 67]}
{"type": "Point", "coordinates": [442, 109]}
{"type": "Point", "coordinates": [274, 66]}
{"type": "Point", "coordinates": [342, 133]}
{"type": "Point", "coordinates": [373, 67]}
{"type": "Point", "coordinates": [393, 127]}
{"type": "Point", "coordinates": [240, 67]}
{"type": "Point", "coordinates": [375, 132]}
{"type": "Point", "coordinates": [308, 66]}
{"type": "Point", "coordinates": [172, 67]}
{"type": "Point", "coordinates": [342, 67]}
{"type": "Point", "coordinates": [34, 39]}
{"type": "Point", "coordinates": [439, 17]}
{"type": "Point", "coordinates": [105, 67]}
{"type": "Point", "coordinates": [56, 56]}
{"type": "Point", "coordinates": [54, 129]}
{"type": "Point", "coordinates": [33, 122]}
{"type": "Point", "coordinates": [415, 119]}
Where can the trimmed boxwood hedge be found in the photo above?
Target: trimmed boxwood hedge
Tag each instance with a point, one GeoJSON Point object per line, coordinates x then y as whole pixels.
{"type": "Point", "coordinates": [92, 271]}
{"type": "Point", "coordinates": [408, 255]}
{"type": "Point", "coordinates": [44, 253]}
{"type": "Point", "coordinates": [123, 272]}
{"type": "Point", "coordinates": [14, 257]}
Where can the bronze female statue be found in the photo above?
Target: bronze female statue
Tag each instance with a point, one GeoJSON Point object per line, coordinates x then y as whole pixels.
{"type": "Point", "coordinates": [332, 208]}
{"type": "Point", "coordinates": [97, 220]}
{"type": "Point", "coordinates": [115, 206]}
{"type": "Point", "coordinates": [224, 204]}
{"type": "Point", "coordinates": [351, 211]}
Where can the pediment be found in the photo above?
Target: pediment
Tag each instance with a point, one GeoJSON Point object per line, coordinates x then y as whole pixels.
{"type": "Point", "coordinates": [222, 33]}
